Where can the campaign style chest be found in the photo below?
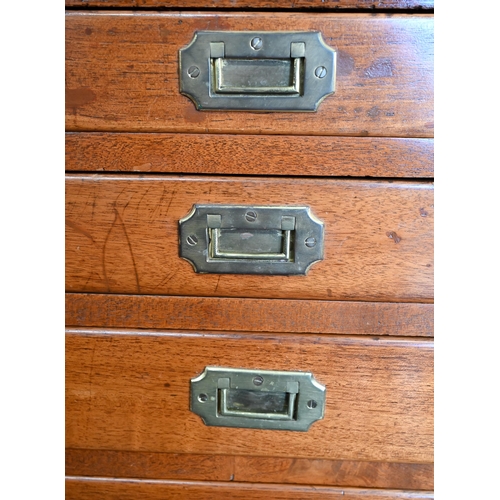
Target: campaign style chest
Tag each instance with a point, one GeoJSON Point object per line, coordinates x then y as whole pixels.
{"type": "Point", "coordinates": [249, 249]}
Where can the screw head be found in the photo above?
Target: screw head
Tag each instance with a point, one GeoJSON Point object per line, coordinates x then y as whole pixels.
{"type": "Point", "coordinates": [258, 380]}
{"type": "Point", "coordinates": [192, 240]}
{"type": "Point", "coordinates": [251, 216]}
{"type": "Point", "coordinates": [320, 72]}
{"type": "Point", "coordinates": [310, 242]}
{"type": "Point", "coordinates": [256, 43]}
{"type": "Point", "coordinates": [193, 71]}
{"type": "Point", "coordinates": [311, 404]}
{"type": "Point", "coordinates": [202, 398]}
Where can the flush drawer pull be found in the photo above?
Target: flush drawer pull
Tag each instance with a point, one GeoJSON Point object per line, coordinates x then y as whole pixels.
{"type": "Point", "coordinates": [251, 239]}
{"type": "Point", "coordinates": [257, 71]}
{"type": "Point", "coordinates": [261, 399]}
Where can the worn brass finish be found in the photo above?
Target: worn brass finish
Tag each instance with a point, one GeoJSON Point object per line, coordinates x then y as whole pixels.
{"type": "Point", "coordinates": [258, 399]}
{"type": "Point", "coordinates": [251, 239]}
{"type": "Point", "coordinates": [257, 71]}
{"type": "Point", "coordinates": [289, 88]}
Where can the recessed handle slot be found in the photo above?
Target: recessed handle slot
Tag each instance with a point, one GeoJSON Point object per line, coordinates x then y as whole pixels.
{"type": "Point", "coordinates": [251, 244]}
{"type": "Point", "coordinates": [257, 76]}
{"type": "Point", "coordinates": [255, 404]}
{"type": "Point", "coordinates": [264, 76]}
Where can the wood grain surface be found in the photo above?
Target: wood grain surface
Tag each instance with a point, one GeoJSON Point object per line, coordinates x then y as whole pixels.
{"type": "Point", "coordinates": [348, 473]}
{"type": "Point", "coordinates": [122, 74]}
{"type": "Point", "coordinates": [248, 155]}
{"type": "Point", "coordinates": [80, 488]}
{"type": "Point", "coordinates": [258, 4]}
{"type": "Point", "coordinates": [128, 390]}
{"type": "Point", "coordinates": [122, 237]}
{"type": "Point", "coordinates": [255, 315]}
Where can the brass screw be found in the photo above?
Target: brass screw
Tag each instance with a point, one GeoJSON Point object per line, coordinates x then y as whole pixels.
{"type": "Point", "coordinates": [310, 242]}
{"type": "Point", "coordinates": [256, 43]}
{"type": "Point", "coordinates": [250, 216]}
{"type": "Point", "coordinates": [192, 240]}
{"type": "Point", "coordinates": [193, 72]}
{"type": "Point", "coordinates": [320, 72]}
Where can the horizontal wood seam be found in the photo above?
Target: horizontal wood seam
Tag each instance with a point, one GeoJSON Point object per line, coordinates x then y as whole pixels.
{"type": "Point", "coordinates": [414, 180]}
{"type": "Point", "coordinates": [84, 130]}
{"type": "Point", "coordinates": [417, 342]}
{"type": "Point", "coordinates": [218, 483]}
{"type": "Point", "coordinates": [427, 182]}
{"type": "Point", "coordinates": [245, 132]}
{"type": "Point", "coordinates": [429, 301]}
{"type": "Point", "coordinates": [421, 9]}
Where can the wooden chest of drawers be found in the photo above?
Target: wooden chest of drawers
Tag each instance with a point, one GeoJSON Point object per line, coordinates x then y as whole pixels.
{"type": "Point", "coordinates": [141, 323]}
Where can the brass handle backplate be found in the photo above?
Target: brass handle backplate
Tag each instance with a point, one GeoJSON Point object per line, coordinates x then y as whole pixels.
{"type": "Point", "coordinates": [257, 71]}
{"type": "Point", "coordinates": [257, 399]}
{"type": "Point", "coordinates": [251, 239]}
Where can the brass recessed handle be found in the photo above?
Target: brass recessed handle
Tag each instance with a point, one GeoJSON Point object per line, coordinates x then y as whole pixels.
{"type": "Point", "coordinates": [257, 71]}
{"type": "Point", "coordinates": [251, 239]}
{"type": "Point", "coordinates": [258, 399]}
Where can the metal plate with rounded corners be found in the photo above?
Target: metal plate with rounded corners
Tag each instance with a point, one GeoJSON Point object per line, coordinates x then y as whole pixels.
{"type": "Point", "coordinates": [257, 399]}
{"type": "Point", "coordinates": [257, 71]}
{"type": "Point", "coordinates": [235, 239]}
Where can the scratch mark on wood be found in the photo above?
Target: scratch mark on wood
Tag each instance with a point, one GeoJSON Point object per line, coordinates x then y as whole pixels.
{"type": "Point", "coordinates": [217, 285]}
{"type": "Point", "coordinates": [87, 282]}
{"type": "Point", "coordinates": [125, 206]}
{"type": "Point", "coordinates": [130, 250]}
{"type": "Point", "coordinates": [165, 281]}
{"type": "Point", "coordinates": [104, 252]}
{"type": "Point", "coordinates": [93, 207]}
{"type": "Point", "coordinates": [142, 197]}
{"type": "Point", "coordinates": [158, 207]}
{"type": "Point", "coordinates": [170, 202]}
{"type": "Point", "coordinates": [116, 200]}
{"type": "Point", "coordinates": [343, 241]}
{"type": "Point", "coordinates": [79, 229]}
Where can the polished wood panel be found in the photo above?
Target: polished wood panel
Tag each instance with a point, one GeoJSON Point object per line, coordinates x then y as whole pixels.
{"type": "Point", "coordinates": [258, 4]}
{"type": "Point", "coordinates": [122, 237]}
{"type": "Point", "coordinates": [249, 155]}
{"type": "Point", "coordinates": [255, 315]}
{"type": "Point", "coordinates": [122, 74]}
{"type": "Point", "coordinates": [79, 488]}
{"type": "Point", "coordinates": [128, 390]}
{"type": "Point", "coordinates": [349, 473]}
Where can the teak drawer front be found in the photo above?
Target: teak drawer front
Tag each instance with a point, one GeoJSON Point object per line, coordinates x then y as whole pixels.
{"type": "Point", "coordinates": [249, 469]}
{"type": "Point", "coordinates": [122, 237]}
{"type": "Point", "coordinates": [122, 74]}
{"type": "Point", "coordinates": [249, 155]}
{"type": "Point", "coordinates": [82, 488]}
{"type": "Point", "coordinates": [129, 390]}
{"type": "Point", "coordinates": [255, 315]}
